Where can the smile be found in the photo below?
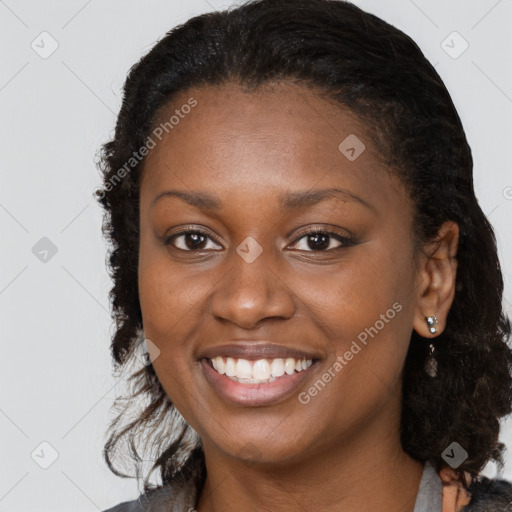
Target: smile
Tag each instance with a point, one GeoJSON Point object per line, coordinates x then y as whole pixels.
{"type": "Point", "coordinates": [261, 382]}
{"type": "Point", "coordinates": [262, 371]}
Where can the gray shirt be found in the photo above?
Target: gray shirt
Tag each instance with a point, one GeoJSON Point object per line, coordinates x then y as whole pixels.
{"type": "Point", "coordinates": [430, 492]}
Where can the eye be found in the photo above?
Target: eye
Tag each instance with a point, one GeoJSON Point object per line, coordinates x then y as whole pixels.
{"type": "Point", "coordinates": [317, 239]}
{"type": "Point", "coordinates": [321, 240]}
{"type": "Point", "coordinates": [189, 240]}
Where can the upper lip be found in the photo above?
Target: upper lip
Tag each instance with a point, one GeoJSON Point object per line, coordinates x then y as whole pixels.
{"type": "Point", "coordinates": [252, 351]}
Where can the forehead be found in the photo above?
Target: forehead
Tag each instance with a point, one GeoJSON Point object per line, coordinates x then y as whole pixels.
{"type": "Point", "coordinates": [280, 137]}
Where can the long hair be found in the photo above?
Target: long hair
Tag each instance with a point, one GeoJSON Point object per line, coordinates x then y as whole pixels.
{"type": "Point", "coordinates": [380, 74]}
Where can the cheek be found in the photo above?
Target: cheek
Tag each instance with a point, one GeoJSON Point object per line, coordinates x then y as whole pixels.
{"type": "Point", "coordinates": [364, 314]}
{"type": "Point", "coordinates": [170, 312]}
{"type": "Point", "coordinates": [171, 297]}
{"type": "Point", "coordinates": [168, 309]}
{"type": "Point", "coordinates": [365, 310]}
{"type": "Point", "coordinates": [356, 295]}
{"type": "Point", "coordinates": [168, 317]}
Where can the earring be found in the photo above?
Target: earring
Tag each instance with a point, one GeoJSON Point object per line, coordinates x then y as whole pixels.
{"type": "Point", "coordinates": [431, 363]}
{"type": "Point", "coordinates": [431, 322]}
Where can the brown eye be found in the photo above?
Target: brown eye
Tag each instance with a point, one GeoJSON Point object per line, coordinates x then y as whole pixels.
{"type": "Point", "coordinates": [190, 240]}
{"type": "Point", "coordinates": [321, 241]}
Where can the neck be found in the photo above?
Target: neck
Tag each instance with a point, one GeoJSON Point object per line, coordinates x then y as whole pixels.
{"type": "Point", "coordinates": [366, 471]}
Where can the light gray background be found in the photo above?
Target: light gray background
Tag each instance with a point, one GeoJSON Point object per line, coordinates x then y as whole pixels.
{"type": "Point", "coordinates": [55, 370]}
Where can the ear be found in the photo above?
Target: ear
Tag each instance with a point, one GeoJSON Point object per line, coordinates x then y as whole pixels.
{"type": "Point", "coordinates": [436, 280]}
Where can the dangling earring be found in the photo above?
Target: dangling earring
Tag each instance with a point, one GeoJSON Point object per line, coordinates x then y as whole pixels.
{"type": "Point", "coordinates": [431, 363]}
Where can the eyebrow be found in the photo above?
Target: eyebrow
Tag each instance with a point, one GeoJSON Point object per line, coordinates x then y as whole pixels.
{"type": "Point", "coordinates": [288, 201]}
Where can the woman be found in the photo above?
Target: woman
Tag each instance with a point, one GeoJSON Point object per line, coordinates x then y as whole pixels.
{"type": "Point", "coordinates": [297, 246]}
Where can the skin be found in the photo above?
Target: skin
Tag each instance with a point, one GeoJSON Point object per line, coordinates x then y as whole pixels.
{"type": "Point", "coordinates": [340, 451]}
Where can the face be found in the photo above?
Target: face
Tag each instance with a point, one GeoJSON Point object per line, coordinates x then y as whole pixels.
{"type": "Point", "coordinates": [250, 259]}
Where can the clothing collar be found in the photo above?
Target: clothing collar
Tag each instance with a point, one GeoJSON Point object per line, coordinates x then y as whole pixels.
{"type": "Point", "coordinates": [429, 497]}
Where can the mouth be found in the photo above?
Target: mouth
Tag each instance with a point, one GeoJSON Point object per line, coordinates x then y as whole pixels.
{"type": "Point", "coordinates": [256, 375]}
{"type": "Point", "coordinates": [261, 371]}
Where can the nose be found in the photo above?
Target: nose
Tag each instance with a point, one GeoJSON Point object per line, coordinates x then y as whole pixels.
{"type": "Point", "coordinates": [251, 292]}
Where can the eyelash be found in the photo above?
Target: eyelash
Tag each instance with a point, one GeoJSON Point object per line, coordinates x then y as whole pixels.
{"type": "Point", "coordinates": [345, 240]}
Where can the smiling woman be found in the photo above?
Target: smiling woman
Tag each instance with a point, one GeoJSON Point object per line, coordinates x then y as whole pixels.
{"type": "Point", "coordinates": [303, 257]}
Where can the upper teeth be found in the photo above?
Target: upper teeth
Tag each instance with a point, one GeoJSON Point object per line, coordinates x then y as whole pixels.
{"type": "Point", "coordinates": [260, 370]}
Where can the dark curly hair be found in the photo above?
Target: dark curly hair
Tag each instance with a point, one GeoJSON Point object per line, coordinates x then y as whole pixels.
{"type": "Point", "coordinates": [380, 74]}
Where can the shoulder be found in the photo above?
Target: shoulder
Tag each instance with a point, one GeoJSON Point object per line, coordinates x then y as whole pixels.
{"type": "Point", "coordinates": [157, 500]}
{"type": "Point", "coordinates": [489, 495]}
{"type": "Point", "coordinates": [482, 494]}
{"type": "Point", "coordinates": [179, 494]}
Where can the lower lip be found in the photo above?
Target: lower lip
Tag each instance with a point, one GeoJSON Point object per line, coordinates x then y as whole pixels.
{"type": "Point", "coordinates": [255, 394]}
